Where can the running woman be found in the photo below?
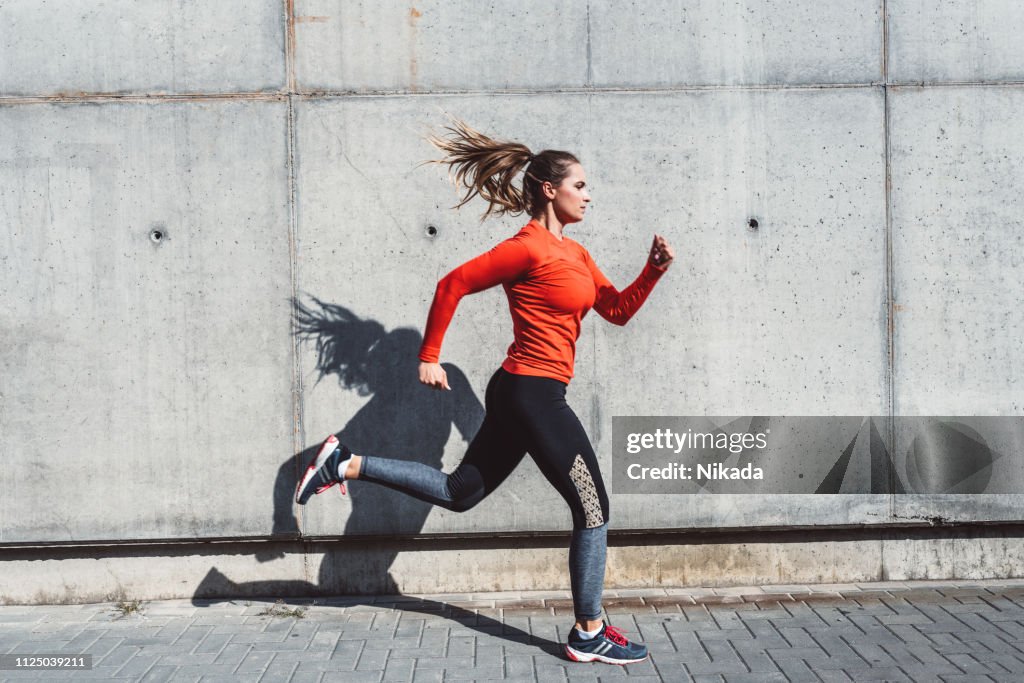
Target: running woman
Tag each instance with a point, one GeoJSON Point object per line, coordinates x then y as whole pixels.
{"type": "Point", "coordinates": [551, 283]}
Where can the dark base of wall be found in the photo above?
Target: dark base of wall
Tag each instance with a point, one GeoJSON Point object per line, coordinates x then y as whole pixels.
{"type": "Point", "coordinates": [270, 568]}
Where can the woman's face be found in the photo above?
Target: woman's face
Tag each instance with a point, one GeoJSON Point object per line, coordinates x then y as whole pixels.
{"type": "Point", "coordinates": [571, 196]}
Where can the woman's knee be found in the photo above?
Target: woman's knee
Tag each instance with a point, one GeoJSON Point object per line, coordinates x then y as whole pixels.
{"type": "Point", "coordinates": [590, 513]}
{"type": "Point", "coordinates": [465, 489]}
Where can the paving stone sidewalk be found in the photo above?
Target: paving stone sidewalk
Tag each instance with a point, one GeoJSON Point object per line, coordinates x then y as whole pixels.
{"type": "Point", "coordinates": [893, 631]}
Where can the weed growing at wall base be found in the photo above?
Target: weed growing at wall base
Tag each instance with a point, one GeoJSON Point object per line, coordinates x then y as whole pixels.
{"type": "Point", "coordinates": [279, 609]}
{"type": "Point", "coordinates": [125, 608]}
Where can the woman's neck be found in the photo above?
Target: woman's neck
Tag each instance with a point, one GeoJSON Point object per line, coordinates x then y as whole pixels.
{"type": "Point", "coordinates": [551, 222]}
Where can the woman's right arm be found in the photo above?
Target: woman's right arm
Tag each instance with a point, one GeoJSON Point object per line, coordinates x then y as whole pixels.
{"type": "Point", "coordinates": [506, 262]}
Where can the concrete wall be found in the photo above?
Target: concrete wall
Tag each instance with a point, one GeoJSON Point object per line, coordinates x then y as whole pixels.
{"type": "Point", "coordinates": [171, 176]}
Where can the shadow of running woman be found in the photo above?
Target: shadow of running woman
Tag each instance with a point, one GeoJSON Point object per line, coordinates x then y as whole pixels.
{"type": "Point", "coordinates": [402, 420]}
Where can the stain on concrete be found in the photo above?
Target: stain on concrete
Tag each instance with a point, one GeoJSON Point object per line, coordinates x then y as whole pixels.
{"type": "Point", "coordinates": [414, 65]}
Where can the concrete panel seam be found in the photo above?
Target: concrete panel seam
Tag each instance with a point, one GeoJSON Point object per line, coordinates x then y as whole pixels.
{"type": "Point", "coordinates": [589, 81]}
{"type": "Point", "coordinates": [953, 84]}
{"type": "Point", "coordinates": [890, 302]}
{"type": "Point", "coordinates": [298, 431]}
{"type": "Point", "coordinates": [327, 94]}
{"type": "Point", "coordinates": [289, 48]}
{"type": "Point", "coordinates": [97, 98]}
{"type": "Point", "coordinates": [584, 90]}
{"type": "Point", "coordinates": [280, 96]}
{"type": "Point", "coordinates": [885, 40]}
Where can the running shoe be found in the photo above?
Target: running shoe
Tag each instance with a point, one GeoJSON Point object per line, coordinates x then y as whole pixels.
{"type": "Point", "coordinates": [608, 646]}
{"type": "Point", "coordinates": [322, 473]}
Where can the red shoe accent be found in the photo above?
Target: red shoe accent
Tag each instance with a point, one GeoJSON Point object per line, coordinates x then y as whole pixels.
{"type": "Point", "coordinates": [341, 487]}
{"type": "Point", "coordinates": [615, 635]}
{"type": "Point", "coordinates": [570, 655]}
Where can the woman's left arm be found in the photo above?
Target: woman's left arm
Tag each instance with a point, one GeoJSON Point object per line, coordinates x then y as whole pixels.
{"type": "Point", "coordinates": [618, 307]}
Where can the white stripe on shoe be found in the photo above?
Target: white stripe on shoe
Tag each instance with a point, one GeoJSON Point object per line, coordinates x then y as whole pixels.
{"type": "Point", "coordinates": [314, 471]}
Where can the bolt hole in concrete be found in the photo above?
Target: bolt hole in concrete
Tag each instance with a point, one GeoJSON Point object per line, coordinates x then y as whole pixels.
{"type": "Point", "coordinates": [158, 235]}
{"type": "Point", "coordinates": [752, 223]}
{"type": "Point", "coordinates": [431, 230]}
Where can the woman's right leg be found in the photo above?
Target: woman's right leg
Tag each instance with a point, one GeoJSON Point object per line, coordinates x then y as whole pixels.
{"type": "Point", "coordinates": [471, 482]}
{"type": "Point", "coordinates": [493, 453]}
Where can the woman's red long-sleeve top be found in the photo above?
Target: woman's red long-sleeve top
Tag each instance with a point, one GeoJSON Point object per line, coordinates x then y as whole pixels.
{"type": "Point", "coordinates": [551, 284]}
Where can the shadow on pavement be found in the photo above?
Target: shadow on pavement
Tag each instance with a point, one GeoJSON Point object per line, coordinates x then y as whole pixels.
{"type": "Point", "coordinates": [217, 583]}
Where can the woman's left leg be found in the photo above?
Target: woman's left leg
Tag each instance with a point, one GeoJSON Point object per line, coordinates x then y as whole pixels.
{"type": "Point", "coordinates": [587, 552]}
{"type": "Point", "coordinates": [558, 444]}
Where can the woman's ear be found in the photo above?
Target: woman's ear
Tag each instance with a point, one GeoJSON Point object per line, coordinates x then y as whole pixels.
{"type": "Point", "coordinates": [548, 189]}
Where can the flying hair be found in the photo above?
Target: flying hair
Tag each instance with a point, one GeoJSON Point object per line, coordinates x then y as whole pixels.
{"type": "Point", "coordinates": [485, 167]}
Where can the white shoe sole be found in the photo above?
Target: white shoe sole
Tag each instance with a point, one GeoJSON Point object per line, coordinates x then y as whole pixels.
{"type": "Point", "coordinates": [577, 656]}
{"type": "Point", "coordinates": [326, 449]}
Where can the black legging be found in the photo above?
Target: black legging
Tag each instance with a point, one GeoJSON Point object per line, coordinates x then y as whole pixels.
{"type": "Point", "coordinates": [525, 414]}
